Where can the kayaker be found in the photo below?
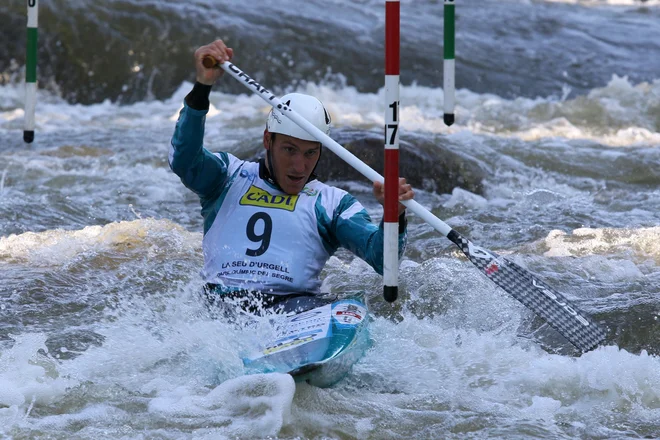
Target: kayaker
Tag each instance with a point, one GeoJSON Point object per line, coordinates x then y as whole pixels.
{"type": "Point", "coordinates": [270, 226]}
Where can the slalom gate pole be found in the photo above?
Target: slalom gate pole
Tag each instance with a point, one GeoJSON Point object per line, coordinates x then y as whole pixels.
{"type": "Point", "coordinates": [449, 64]}
{"type": "Point", "coordinates": [391, 206]}
{"type": "Point", "coordinates": [31, 69]}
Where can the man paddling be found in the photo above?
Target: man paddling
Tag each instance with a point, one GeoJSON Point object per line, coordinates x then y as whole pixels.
{"type": "Point", "coordinates": [270, 226]}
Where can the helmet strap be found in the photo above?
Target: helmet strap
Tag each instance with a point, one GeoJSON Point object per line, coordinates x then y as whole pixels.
{"type": "Point", "coordinates": [313, 176]}
{"type": "Point", "coordinates": [269, 162]}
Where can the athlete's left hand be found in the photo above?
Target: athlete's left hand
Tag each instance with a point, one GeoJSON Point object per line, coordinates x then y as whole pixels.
{"type": "Point", "coordinates": [405, 193]}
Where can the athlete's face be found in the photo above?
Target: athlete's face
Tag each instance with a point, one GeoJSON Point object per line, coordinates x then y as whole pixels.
{"type": "Point", "coordinates": [293, 160]}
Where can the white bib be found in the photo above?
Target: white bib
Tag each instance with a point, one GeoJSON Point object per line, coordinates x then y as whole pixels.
{"type": "Point", "coordinates": [264, 239]}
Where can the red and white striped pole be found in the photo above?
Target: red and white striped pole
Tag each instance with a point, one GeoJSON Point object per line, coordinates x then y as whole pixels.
{"type": "Point", "coordinates": [391, 208]}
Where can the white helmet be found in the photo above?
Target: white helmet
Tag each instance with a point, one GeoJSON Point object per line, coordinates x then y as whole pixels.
{"type": "Point", "coordinates": [306, 106]}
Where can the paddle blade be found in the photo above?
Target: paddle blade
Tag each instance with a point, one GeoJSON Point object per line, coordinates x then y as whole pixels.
{"type": "Point", "coordinates": [567, 319]}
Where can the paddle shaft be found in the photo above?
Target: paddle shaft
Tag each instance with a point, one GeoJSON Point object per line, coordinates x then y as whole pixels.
{"type": "Point", "coordinates": [539, 297]}
{"type": "Point", "coordinates": [326, 140]}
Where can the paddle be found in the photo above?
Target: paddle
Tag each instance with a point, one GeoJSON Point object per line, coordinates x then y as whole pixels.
{"type": "Point", "coordinates": [567, 319]}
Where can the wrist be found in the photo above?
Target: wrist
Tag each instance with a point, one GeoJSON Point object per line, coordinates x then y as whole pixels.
{"type": "Point", "coordinates": [198, 98]}
{"type": "Point", "coordinates": [204, 82]}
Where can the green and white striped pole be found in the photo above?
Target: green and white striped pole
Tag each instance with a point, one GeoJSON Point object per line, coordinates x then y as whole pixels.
{"type": "Point", "coordinates": [449, 63]}
{"type": "Point", "coordinates": [31, 69]}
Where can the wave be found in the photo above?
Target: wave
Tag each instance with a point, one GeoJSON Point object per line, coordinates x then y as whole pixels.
{"type": "Point", "coordinates": [188, 371]}
{"type": "Point", "coordinates": [99, 244]}
{"type": "Point", "coordinates": [620, 114]}
{"type": "Point", "coordinates": [638, 244]}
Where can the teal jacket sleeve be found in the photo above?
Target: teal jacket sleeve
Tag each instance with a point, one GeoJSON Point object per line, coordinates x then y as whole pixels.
{"type": "Point", "coordinates": [351, 227]}
{"type": "Point", "coordinates": [200, 170]}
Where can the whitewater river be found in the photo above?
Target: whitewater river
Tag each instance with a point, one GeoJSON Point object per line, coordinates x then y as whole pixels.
{"type": "Point", "coordinates": [103, 334]}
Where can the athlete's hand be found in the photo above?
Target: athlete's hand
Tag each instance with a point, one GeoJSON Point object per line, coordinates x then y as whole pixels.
{"type": "Point", "coordinates": [218, 50]}
{"type": "Point", "coordinates": [405, 193]}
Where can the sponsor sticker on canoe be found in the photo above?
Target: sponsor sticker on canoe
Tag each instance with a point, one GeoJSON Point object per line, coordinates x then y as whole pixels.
{"type": "Point", "coordinates": [301, 329]}
{"type": "Point", "coordinates": [349, 313]}
{"type": "Point", "coordinates": [288, 343]}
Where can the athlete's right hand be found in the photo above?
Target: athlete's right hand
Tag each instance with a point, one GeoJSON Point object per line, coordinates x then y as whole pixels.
{"type": "Point", "coordinates": [217, 50]}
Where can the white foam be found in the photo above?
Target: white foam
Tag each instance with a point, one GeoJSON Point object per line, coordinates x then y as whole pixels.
{"type": "Point", "coordinates": [248, 406]}
{"type": "Point", "coordinates": [628, 111]}
{"type": "Point", "coordinates": [488, 371]}
{"type": "Point", "coordinates": [27, 377]}
{"type": "Point", "coordinates": [55, 247]}
{"type": "Point", "coordinates": [164, 355]}
{"type": "Point", "coordinates": [638, 243]}
{"type": "Point", "coordinates": [461, 197]}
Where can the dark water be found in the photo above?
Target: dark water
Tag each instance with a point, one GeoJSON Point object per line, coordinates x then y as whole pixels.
{"type": "Point", "coordinates": [128, 51]}
{"type": "Point", "coordinates": [557, 143]}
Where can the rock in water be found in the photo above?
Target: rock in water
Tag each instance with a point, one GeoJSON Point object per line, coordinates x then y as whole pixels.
{"type": "Point", "coordinates": [425, 165]}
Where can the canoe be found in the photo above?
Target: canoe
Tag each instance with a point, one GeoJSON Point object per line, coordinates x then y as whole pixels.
{"type": "Point", "coordinates": [318, 346]}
